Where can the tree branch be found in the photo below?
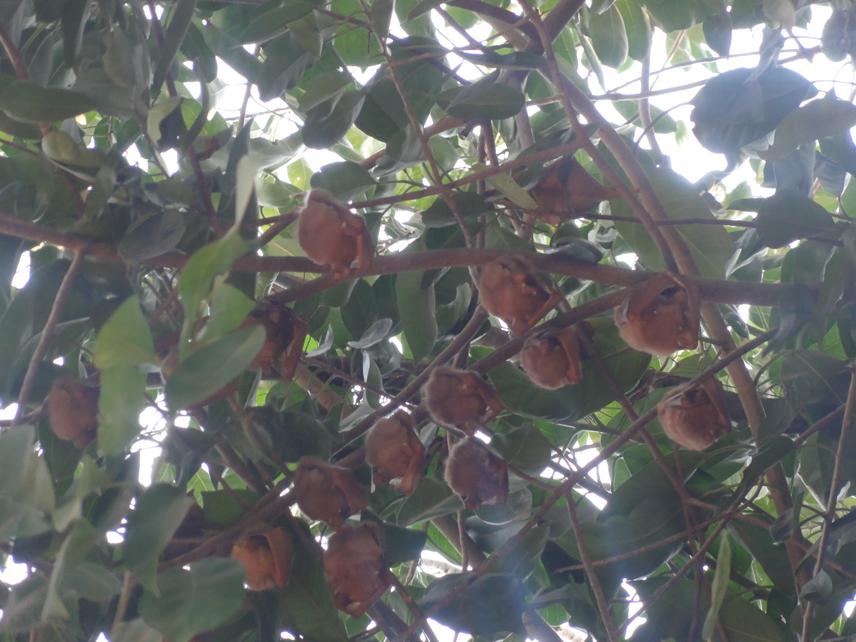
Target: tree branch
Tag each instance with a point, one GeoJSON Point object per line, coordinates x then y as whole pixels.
{"type": "Point", "coordinates": [47, 332]}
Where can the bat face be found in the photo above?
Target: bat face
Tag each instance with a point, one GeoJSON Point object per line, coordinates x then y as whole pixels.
{"type": "Point", "coordinates": [553, 360]}
{"type": "Point", "coordinates": [695, 418]}
{"type": "Point", "coordinates": [460, 399]}
{"type": "Point", "coordinates": [475, 474]}
{"type": "Point", "coordinates": [660, 316]}
{"type": "Point", "coordinates": [326, 492]}
{"type": "Point", "coordinates": [394, 452]}
{"type": "Point", "coordinates": [354, 567]}
{"type": "Point", "coordinates": [509, 290]}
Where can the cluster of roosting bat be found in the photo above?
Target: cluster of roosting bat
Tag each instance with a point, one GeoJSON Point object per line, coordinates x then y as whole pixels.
{"type": "Point", "coordinates": [659, 316]}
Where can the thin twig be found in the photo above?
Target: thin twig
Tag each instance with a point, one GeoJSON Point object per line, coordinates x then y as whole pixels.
{"type": "Point", "coordinates": [832, 498]}
{"type": "Point", "coordinates": [594, 580]}
{"type": "Point", "coordinates": [645, 108]}
{"type": "Point", "coordinates": [47, 332]}
{"type": "Point", "coordinates": [122, 604]}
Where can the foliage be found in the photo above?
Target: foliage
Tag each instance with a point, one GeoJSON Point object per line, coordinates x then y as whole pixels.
{"type": "Point", "coordinates": [154, 159]}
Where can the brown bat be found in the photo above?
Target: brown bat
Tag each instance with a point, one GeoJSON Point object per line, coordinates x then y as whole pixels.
{"type": "Point", "coordinates": [460, 399]}
{"type": "Point", "coordinates": [394, 452]}
{"type": "Point", "coordinates": [332, 236]}
{"type": "Point", "coordinates": [660, 316]}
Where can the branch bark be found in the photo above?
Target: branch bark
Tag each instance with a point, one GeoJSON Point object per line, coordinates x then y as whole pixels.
{"type": "Point", "coordinates": [47, 332]}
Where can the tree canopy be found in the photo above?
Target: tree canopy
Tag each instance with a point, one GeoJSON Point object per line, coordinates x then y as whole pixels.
{"type": "Point", "coordinates": [339, 320]}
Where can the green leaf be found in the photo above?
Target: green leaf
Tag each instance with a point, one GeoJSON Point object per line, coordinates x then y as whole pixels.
{"type": "Point", "coordinates": [76, 544]}
{"type": "Point", "coordinates": [151, 525]}
{"type": "Point", "coordinates": [326, 124]}
{"type": "Point", "coordinates": [717, 33]}
{"type": "Point", "coordinates": [813, 121]}
{"type": "Point", "coordinates": [525, 448]}
{"type": "Point", "coordinates": [512, 190]}
{"type": "Point", "coordinates": [417, 311]}
{"type": "Point", "coordinates": [125, 339]}
{"type": "Point", "coordinates": [223, 508]}
{"type": "Point", "coordinates": [710, 245]}
{"type": "Point", "coordinates": [787, 216]}
{"type": "Point", "coordinates": [99, 196]}
{"type": "Point", "coordinates": [672, 15]}
{"type": "Point", "coordinates": [62, 148]}
{"type": "Point", "coordinates": [16, 450]}
{"type": "Point", "coordinates": [608, 36]}
{"type": "Point", "coordinates": [75, 14]}
{"type": "Point", "coordinates": [229, 307]}
{"type": "Point", "coordinates": [120, 401]}
{"type": "Point", "coordinates": [818, 588]}
{"type": "Point", "coordinates": [125, 59]}
{"type": "Point", "coordinates": [380, 15]}
{"type": "Point", "coordinates": [322, 88]}
{"type": "Point", "coordinates": [637, 26]}
{"type": "Point", "coordinates": [739, 106]}
{"type": "Point", "coordinates": [173, 37]}
{"type": "Point", "coordinates": [663, 123]}
{"type": "Point", "coordinates": [636, 525]}
{"type": "Point", "coordinates": [781, 12]}
{"type": "Point", "coordinates": [273, 23]}
{"type": "Point", "coordinates": [93, 582]}
{"type": "Point", "coordinates": [26, 488]}
{"type": "Point", "coordinates": [744, 622]}
{"type": "Point", "coordinates": [719, 586]}
{"type": "Point", "coordinates": [307, 34]}
{"type": "Point", "coordinates": [515, 60]}
{"type": "Point", "coordinates": [199, 272]}
{"type": "Point", "coordinates": [32, 103]}
{"type": "Point", "coordinates": [152, 235]}
{"type": "Point", "coordinates": [245, 184]}
{"type": "Point", "coordinates": [432, 498]}
{"type": "Point", "coordinates": [136, 631]}
{"type": "Point", "coordinates": [487, 99]}
{"type": "Point", "coordinates": [382, 115]}
{"type": "Point", "coordinates": [373, 335]}
{"type": "Point", "coordinates": [527, 553]}
{"type": "Point", "coordinates": [401, 544]}
{"type": "Point", "coordinates": [18, 128]}
{"type": "Point", "coordinates": [492, 603]}
{"type": "Point", "coordinates": [213, 366]}
{"type": "Point", "coordinates": [194, 600]}
{"type": "Point", "coordinates": [305, 602]}
{"type": "Point", "coordinates": [346, 180]}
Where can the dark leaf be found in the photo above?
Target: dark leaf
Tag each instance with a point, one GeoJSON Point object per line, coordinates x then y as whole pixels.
{"type": "Point", "coordinates": [194, 600]}
{"type": "Point", "coordinates": [489, 604]}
